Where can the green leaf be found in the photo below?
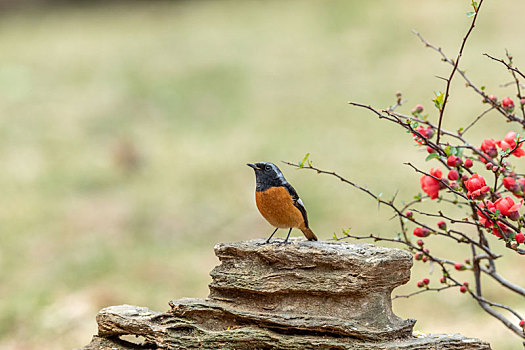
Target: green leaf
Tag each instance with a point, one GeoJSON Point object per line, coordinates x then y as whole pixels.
{"type": "Point", "coordinates": [335, 236]}
{"type": "Point", "coordinates": [301, 164]}
{"type": "Point", "coordinates": [438, 101]}
{"type": "Point", "coordinates": [431, 156]}
{"type": "Point", "coordinates": [483, 88]}
{"type": "Point", "coordinates": [470, 13]}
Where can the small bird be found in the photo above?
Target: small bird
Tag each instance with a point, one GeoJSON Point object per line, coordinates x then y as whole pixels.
{"type": "Point", "coordinates": [278, 202]}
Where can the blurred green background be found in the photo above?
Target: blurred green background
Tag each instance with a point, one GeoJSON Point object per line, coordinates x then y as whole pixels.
{"type": "Point", "coordinates": [125, 129]}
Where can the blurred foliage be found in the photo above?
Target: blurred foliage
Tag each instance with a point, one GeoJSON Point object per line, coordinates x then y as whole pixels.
{"type": "Point", "coordinates": [125, 128]}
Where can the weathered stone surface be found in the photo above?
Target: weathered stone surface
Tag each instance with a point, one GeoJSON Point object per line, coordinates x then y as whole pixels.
{"type": "Point", "coordinates": [167, 331]}
{"type": "Point", "coordinates": [306, 295]}
{"type": "Point", "coordinates": [338, 288]}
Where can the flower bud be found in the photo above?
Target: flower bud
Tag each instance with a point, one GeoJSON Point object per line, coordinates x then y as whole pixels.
{"type": "Point", "coordinates": [465, 284]}
{"type": "Point", "coordinates": [442, 225]}
{"type": "Point", "coordinates": [507, 104]}
{"type": "Point", "coordinates": [420, 284]}
{"type": "Point", "coordinates": [430, 149]}
{"type": "Point", "coordinates": [488, 166]}
{"type": "Point", "coordinates": [409, 214]}
{"type": "Point", "coordinates": [459, 267]}
{"type": "Point", "coordinates": [463, 289]}
{"type": "Point", "coordinates": [522, 323]}
{"type": "Point", "coordinates": [520, 237]}
{"type": "Point", "coordinates": [426, 281]}
{"type": "Point", "coordinates": [418, 256]}
{"type": "Point", "coordinates": [454, 161]}
{"type": "Point", "coordinates": [421, 232]}
{"type": "Point", "coordinates": [424, 258]}
{"type": "Point", "coordinates": [453, 175]}
{"type": "Point", "coordinates": [468, 163]}
{"type": "Point", "coordinates": [420, 242]}
{"type": "Point", "coordinates": [493, 98]}
{"type": "Point", "coordinates": [443, 279]}
{"type": "Point", "coordinates": [514, 215]}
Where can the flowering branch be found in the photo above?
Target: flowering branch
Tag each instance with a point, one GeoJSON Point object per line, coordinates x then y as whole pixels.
{"type": "Point", "coordinates": [493, 212]}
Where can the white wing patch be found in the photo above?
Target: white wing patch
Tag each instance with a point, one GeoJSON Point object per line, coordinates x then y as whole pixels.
{"type": "Point", "coordinates": [278, 172]}
{"type": "Point", "coordinates": [300, 202]}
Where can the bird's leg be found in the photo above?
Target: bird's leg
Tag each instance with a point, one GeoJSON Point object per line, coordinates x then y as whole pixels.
{"type": "Point", "coordinates": [286, 240]}
{"type": "Point", "coordinates": [268, 240]}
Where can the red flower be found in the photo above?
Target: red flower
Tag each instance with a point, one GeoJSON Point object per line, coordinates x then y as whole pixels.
{"type": "Point", "coordinates": [482, 217]}
{"type": "Point", "coordinates": [468, 163]}
{"type": "Point", "coordinates": [520, 237]}
{"type": "Point", "coordinates": [421, 232]}
{"type": "Point", "coordinates": [496, 231]}
{"type": "Point", "coordinates": [506, 206]}
{"type": "Point", "coordinates": [429, 185]}
{"type": "Point", "coordinates": [425, 132]}
{"type": "Point", "coordinates": [476, 186]}
{"type": "Point", "coordinates": [510, 184]}
{"type": "Point", "coordinates": [509, 141]}
{"type": "Point", "coordinates": [489, 147]}
{"type": "Point", "coordinates": [507, 104]}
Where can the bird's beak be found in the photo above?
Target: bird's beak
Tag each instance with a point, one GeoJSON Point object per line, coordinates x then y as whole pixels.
{"type": "Point", "coordinates": [252, 166]}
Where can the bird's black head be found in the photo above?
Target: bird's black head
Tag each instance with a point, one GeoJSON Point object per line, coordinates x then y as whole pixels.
{"type": "Point", "coordinates": [267, 175]}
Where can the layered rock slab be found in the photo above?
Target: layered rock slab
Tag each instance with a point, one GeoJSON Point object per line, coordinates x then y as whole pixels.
{"type": "Point", "coordinates": [304, 295]}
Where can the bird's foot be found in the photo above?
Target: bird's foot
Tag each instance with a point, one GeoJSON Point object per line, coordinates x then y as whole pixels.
{"type": "Point", "coordinates": [285, 242]}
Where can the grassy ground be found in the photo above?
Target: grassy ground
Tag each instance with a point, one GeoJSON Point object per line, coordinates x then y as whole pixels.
{"type": "Point", "coordinates": [125, 130]}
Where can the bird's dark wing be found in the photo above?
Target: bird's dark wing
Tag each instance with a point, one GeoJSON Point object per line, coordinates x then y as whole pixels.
{"type": "Point", "coordinates": [297, 202]}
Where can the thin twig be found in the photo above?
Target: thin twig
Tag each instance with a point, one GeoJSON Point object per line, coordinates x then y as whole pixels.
{"type": "Point", "coordinates": [456, 63]}
{"type": "Point", "coordinates": [509, 67]}
{"type": "Point", "coordinates": [476, 120]}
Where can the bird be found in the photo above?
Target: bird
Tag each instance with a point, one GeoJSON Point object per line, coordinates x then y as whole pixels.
{"type": "Point", "coordinates": [278, 202]}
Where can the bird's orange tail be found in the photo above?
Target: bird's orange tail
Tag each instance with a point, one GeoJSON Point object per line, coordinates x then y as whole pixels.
{"type": "Point", "coordinates": [309, 234]}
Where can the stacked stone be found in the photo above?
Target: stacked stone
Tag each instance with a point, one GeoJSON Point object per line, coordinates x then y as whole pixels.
{"type": "Point", "coordinates": [304, 295]}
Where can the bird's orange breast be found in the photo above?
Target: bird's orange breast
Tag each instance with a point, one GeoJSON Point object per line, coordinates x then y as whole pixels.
{"type": "Point", "coordinates": [276, 206]}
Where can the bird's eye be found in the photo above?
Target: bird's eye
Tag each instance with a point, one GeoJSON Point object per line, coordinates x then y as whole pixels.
{"type": "Point", "coordinates": [267, 168]}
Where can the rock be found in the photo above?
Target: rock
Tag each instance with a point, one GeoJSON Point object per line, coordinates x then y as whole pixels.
{"type": "Point", "coordinates": [304, 295]}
